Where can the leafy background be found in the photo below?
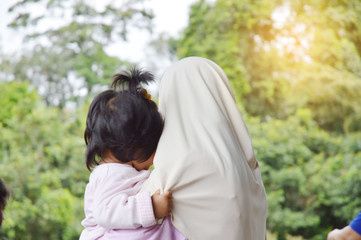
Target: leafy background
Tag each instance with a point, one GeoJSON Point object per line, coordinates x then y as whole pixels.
{"type": "Point", "coordinates": [295, 67]}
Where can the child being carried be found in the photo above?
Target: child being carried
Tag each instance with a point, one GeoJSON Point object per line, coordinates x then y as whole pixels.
{"type": "Point", "coordinates": [122, 132]}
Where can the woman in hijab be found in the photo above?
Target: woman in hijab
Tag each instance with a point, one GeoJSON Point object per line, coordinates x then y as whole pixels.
{"type": "Point", "coordinates": [205, 156]}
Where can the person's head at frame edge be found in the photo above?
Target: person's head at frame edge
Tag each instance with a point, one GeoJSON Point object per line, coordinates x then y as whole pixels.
{"type": "Point", "coordinates": [4, 195]}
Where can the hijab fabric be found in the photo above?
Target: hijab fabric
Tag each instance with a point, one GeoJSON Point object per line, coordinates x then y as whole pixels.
{"type": "Point", "coordinates": [205, 156]}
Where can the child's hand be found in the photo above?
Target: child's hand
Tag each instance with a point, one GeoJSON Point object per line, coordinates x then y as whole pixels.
{"type": "Point", "coordinates": [161, 203]}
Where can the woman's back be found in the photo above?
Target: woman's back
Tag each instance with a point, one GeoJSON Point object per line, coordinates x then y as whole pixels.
{"type": "Point", "coordinates": [205, 156]}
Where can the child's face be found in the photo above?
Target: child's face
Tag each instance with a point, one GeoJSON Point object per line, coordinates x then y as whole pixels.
{"type": "Point", "coordinates": [144, 165]}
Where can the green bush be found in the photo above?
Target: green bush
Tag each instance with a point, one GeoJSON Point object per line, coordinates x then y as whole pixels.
{"type": "Point", "coordinates": [311, 177]}
{"type": "Point", "coordinates": [41, 160]}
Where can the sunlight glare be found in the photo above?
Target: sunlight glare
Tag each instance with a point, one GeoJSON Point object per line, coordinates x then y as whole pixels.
{"type": "Point", "coordinates": [292, 38]}
{"type": "Point", "coordinates": [280, 15]}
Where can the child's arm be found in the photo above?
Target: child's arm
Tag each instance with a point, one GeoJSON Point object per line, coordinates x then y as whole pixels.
{"type": "Point", "coordinates": [129, 212]}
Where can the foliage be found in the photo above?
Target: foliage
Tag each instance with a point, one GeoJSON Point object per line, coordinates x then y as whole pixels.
{"type": "Point", "coordinates": [70, 57]}
{"type": "Point", "coordinates": [284, 55]}
{"type": "Point", "coordinates": [311, 176]}
{"type": "Point", "coordinates": [41, 152]}
{"type": "Point", "coordinates": [295, 69]}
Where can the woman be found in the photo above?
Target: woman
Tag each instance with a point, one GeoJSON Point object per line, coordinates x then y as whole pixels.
{"type": "Point", "coordinates": [205, 156]}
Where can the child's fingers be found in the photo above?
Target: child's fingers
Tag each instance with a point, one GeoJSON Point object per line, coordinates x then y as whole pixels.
{"type": "Point", "coordinates": [170, 206]}
{"type": "Point", "coordinates": [157, 192]}
{"type": "Point", "coordinates": [168, 194]}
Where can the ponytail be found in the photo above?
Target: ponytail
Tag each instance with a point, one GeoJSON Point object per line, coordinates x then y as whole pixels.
{"type": "Point", "coordinates": [132, 80]}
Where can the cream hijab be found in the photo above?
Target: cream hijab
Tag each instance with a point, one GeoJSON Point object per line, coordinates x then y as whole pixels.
{"type": "Point", "coordinates": [205, 156]}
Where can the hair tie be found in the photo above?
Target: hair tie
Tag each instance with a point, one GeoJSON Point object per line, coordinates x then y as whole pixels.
{"type": "Point", "coordinates": [145, 94]}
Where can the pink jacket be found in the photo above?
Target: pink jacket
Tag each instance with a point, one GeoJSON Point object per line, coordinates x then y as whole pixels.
{"type": "Point", "coordinates": [115, 210]}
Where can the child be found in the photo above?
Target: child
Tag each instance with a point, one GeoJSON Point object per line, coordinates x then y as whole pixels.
{"type": "Point", "coordinates": [122, 132]}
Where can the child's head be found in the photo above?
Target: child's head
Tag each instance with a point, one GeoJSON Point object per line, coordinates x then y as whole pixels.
{"type": "Point", "coordinates": [4, 194]}
{"type": "Point", "coordinates": [124, 122]}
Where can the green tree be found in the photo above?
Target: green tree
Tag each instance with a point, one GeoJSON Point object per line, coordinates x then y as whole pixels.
{"type": "Point", "coordinates": [284, 55]}
{"type": "Point", "coordinates": [311, 176]}
{"type": "Point", "coordinates": [41, 160]}
{"type": "Point", "coordinates": [70, 55]}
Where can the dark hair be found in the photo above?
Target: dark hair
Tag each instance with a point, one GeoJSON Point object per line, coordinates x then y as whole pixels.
{"type": "Point", "coordinates": [4, 194]}
{"type": "Point", "coordinates": [125, 122]}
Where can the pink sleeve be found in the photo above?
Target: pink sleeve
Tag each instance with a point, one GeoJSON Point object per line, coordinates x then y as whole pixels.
{"type": "Point", "coordinates": [146, 209]}
{"type": "Point", "coordinates": [121, 211]}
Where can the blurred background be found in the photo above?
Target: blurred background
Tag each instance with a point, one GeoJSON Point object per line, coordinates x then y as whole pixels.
{"type": "Point", "coordinates": [295, 68]}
